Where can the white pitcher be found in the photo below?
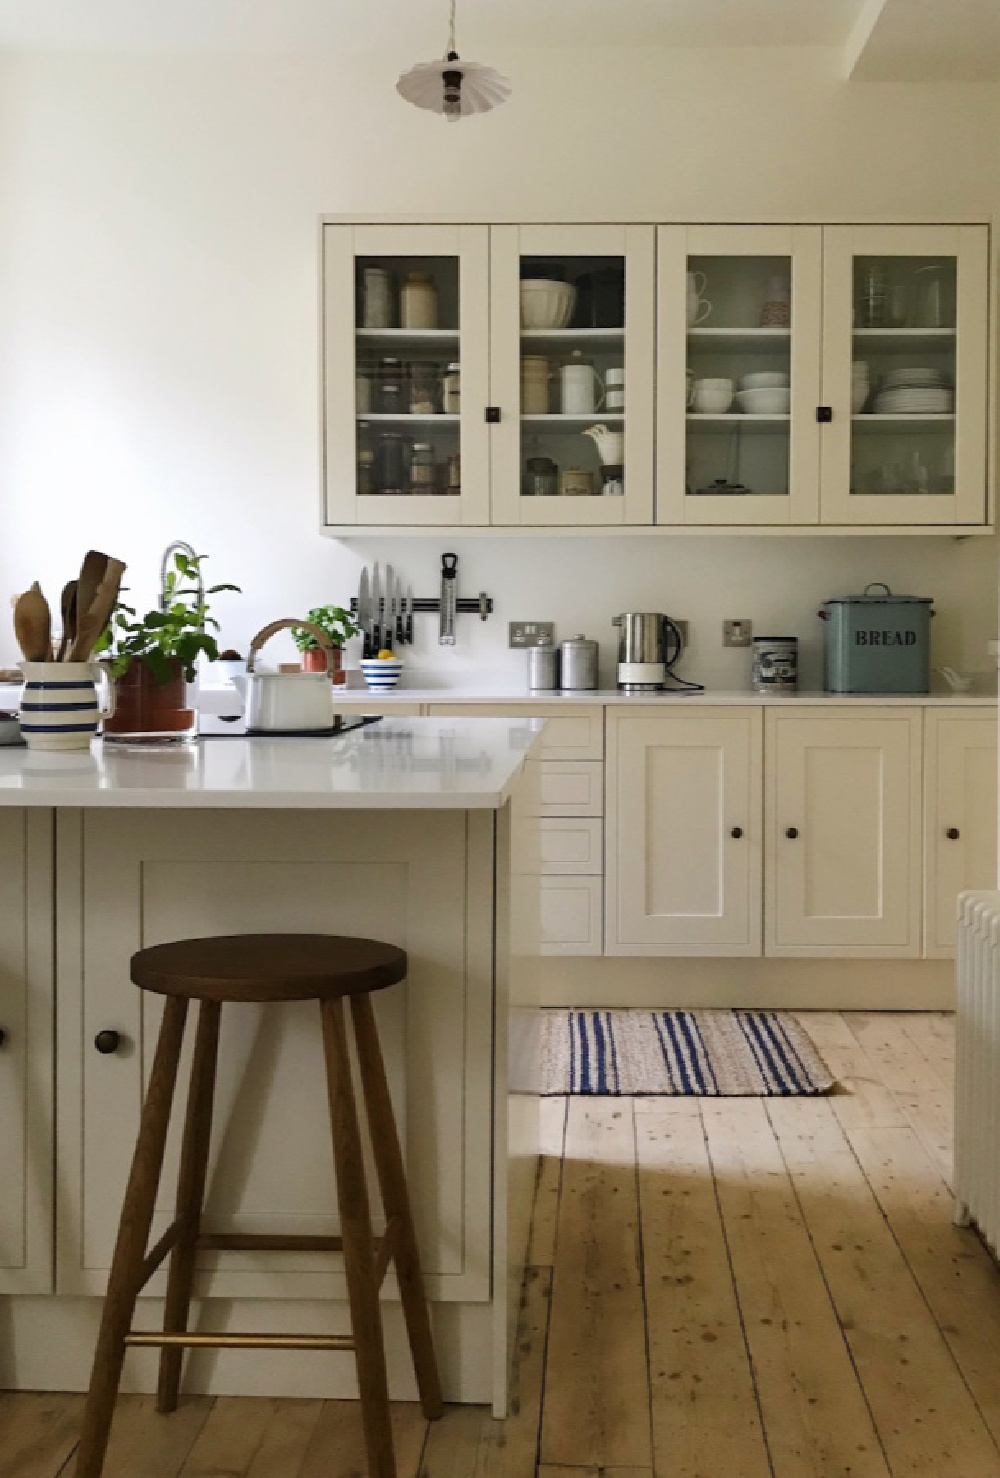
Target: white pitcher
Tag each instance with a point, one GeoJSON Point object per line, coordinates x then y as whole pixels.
{"type": "Point", "coordinates": [59, 707]}
{"type": "Point", "coordinates": [610, 444]}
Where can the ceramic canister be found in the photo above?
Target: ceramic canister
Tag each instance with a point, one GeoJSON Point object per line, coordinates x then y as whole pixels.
{"type": "Point", "coordinates": [59, 707]}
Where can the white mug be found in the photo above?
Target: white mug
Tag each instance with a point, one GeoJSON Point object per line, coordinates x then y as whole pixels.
{"type": "Point", "coordinates": [581, 386]}
{"type": "Point", "coordinates": [698, 308]}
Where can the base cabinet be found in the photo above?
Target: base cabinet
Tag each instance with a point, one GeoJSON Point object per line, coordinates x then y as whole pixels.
{"type": "Point", "coordinates": [684, 832]}
{"type": "Point", "coordinates": [960, 818]}
{"type": "Point", "coordinates": [843, 833]}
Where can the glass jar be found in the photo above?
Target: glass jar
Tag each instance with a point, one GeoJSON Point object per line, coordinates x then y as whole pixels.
{"type": "Point", "coordinates": [418, 302]}
{"type": "Point", "coordinates": [424, 388]}
{"type": "Point", "coordinates": [451, 387]}
{"type": "Point", "coordinates": [390, 388]}
{"type": "Point", "coordinates": [422, 472]}
{"type": "Point", "coordinates": [376, 298]}
{"type": "Point", "coordinates": [540, 478]}
{"type": "Point", "coordinates": [453, 480]}
{"type": "Point", "coordinates": [366, 471]}
{"type": "Point", "coordinates": [391, 457]}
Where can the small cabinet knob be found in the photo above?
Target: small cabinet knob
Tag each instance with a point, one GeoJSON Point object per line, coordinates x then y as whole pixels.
{"type": "Point", "coordinates": [791, 832]}
{"type": "Point", "coordinates": [107, 1042]}
{"type": "Point", "coordinates": [952, 833]}
{"type": "Point", "coordinates": [3, 1036]}
{"type": "Point", "coordinates": [736, 832]}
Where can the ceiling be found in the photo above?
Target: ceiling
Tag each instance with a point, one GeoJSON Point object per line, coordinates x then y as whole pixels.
{"type": "Point", "coordinates": [875, 39]}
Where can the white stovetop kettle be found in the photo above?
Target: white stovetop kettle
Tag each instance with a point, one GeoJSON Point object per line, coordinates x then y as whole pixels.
{"type": "Point", "coordinates": [287, 702]}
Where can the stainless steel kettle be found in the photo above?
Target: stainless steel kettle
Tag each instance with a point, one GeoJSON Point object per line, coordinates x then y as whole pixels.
{"type": "Point", "coordinates": [649, 643]}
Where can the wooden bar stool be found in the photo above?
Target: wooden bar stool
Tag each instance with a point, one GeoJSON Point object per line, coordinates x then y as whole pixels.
{"type": "Point", "coordinates": [265, 967]}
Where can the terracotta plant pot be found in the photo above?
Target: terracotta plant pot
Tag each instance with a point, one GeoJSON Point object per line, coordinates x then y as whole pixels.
{"type": "Point", "coordinates": [314, 660]}
{"type": "Point", "coordinates": [147, 710]}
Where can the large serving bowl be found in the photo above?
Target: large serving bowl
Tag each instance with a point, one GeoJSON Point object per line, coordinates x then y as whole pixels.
{"type": "Point", "coordinates": [546, 304]}
{"type": "Point", "coordinates": [765, 380]}
{"type": "Point", "coordinates": [774, 402]}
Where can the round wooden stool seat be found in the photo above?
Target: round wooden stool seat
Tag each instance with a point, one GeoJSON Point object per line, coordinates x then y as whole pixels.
{"type": "Point", "coordinates": [268, 967]}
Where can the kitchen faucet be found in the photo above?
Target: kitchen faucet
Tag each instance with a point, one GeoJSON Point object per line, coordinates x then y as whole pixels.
{"type": "Point", "coordinates": [179, 546]}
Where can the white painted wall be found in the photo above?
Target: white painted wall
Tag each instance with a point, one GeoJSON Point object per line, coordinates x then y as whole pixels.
{"type": "Point", "coordinates": [158, 308]}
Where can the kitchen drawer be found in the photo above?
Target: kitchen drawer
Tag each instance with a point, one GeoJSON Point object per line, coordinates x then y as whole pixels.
{"type": "Point", "coordinates": [572, 915]}
{"type": "Point", "coordinates": [569, 846]}
{"type": "Point", "coordinates": [570, 733]}
{"type": "Point", "coordinates": [568, 788]}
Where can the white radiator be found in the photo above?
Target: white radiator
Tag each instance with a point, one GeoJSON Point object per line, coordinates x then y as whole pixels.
{"type": "Point", "coordinates": [977, 1065]}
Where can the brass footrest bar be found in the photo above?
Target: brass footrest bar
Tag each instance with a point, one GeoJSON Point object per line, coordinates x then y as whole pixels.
{"type": "Point", "coordinates": [143, 1338]}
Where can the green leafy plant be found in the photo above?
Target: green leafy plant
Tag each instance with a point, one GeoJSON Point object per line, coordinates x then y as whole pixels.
{"type": "Point", "coordinates": [334, 620]}
{"type": "Point", "coordinates": [160, 639]}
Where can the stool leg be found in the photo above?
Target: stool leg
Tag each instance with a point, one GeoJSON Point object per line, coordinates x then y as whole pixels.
{"type": "Point", "coordinates": [396, 1201]}
{"type": "Point", "coordinates": [359, 1252]}
{"type": "Point", "coordinates": [190, 1196]}
{"type": "Point", "coordinates": [124, 1281]}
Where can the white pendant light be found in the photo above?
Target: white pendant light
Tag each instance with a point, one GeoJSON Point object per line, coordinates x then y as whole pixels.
{"type": "Point", "coordinates": [452, 87]}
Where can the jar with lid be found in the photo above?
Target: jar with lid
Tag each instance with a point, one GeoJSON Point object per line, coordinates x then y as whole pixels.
{"type": "Point", "coordinates": [389, 388]}
{"type": "Point", "coordinates": [452, 388]}
{"type": "Point", "coordinates": [578, 664]}
{"type": "Point", "coordinates": [540, 477]}
{"type": "Point", "coordinates": [366, 471]}
{"type": "Point", "coordinates": [422, 468]}
{"type": "Point", "coordinates": [391, 457]}
{"type": "Point", "coordinates": [424, 388]}
{"type": "Point", "coordinates": [376, 298]}
{"type": "Point", "coordinates": [418, 302]}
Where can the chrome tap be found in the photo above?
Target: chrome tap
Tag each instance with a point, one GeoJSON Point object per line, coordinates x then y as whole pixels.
{"type": "Point", "coordinates": [179, 546]}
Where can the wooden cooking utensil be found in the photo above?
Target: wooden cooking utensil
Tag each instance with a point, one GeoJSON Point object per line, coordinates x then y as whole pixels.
{"type": "Point", "coordinates": [33, 625]}
{"type": "Point", "coordinates": [91, 623]}
{"type": "Point", "coordinates": [92, 572]}
{"type": "Point", "coordinates": [67, 605]}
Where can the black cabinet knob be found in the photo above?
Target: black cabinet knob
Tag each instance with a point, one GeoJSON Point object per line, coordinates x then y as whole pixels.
{"type": "Point", "coordinates": [3, 1036]}
{"type": "Point", "coordinates": [107, 1042]}
{"type": "Point", "coordinates": [952, 833]}
{"type": "Point", "coordinates": [791, 832]}
{"type": "Point", "coordinates": [493, 415]}
{"type": "Point", "coordinates": [736, 832]}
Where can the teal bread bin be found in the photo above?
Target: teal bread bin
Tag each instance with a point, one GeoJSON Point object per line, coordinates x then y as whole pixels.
{"type": "Point", "coordinates": [877, 642]}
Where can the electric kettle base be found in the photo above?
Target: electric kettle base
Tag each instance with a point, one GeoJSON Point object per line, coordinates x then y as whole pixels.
{"type": "Point", "coordinates": [641, 677]}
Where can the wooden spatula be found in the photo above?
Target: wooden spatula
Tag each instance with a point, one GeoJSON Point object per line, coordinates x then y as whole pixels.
{"type": "Point", "coordinates": [33, 625]}
{"type": "Point", "coordinates": [91, 623]}
{"type": "Point", "coordinates": [67, 605]}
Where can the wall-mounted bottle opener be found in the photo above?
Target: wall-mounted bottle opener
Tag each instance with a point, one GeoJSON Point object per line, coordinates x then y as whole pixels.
{"type": "Point", "coordinates": [449, 597]}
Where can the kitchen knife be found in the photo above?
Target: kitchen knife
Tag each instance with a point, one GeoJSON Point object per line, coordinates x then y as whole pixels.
{"type": "Point", "coordinates": [400, 624]}
{"type": "Point", "coordinates": [376, 627]}
{"type": "Point", "coordinates": [449, 596]}
{"type": "Point", "coordinates": [389, 608]}
{"type": "Point", "coordinates": [364, 613]}
{"type": "Point", "coordinates": [409, 613]}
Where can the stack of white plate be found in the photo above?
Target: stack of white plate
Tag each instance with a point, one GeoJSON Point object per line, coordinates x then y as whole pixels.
{"type": "Point", "coordinates": [915, 392]}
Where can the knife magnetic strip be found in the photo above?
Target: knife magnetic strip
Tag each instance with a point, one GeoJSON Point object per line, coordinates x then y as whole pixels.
{"type": "Point", "coordinates": [465, 605]}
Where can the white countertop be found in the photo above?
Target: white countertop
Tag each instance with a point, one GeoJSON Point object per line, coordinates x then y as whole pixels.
{"type": "Point", "coordinates": [359, 700]}
{"type": "Point", "coordinates": [398, 764]}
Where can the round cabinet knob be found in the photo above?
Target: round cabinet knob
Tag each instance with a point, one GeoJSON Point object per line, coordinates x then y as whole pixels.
{"type": "Point", "coordinates": [107, 1042]}
{"type": "Point", "coordinates": [3, 1036]}
{"type": "Point", "coordinates": [952, 833]}
{"type": "Point", "coordinates": [736, 833]}
{"type": "Point", "coordinates": [791, 832]}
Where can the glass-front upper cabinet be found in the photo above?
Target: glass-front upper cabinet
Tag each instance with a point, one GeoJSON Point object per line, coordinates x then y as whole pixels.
{"type": "Point", "coordinates": [906, 317]}
{"type": "Point", "coordinates": [573, 364]}
{"type": "Point", "coordinates": [406, 374]}
{"type": "Point", "coordinates": [738, 356]}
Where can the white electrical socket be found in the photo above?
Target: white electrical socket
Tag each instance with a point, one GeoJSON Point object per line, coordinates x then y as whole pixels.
{"type": "Point", "coordinates": [737, 633]}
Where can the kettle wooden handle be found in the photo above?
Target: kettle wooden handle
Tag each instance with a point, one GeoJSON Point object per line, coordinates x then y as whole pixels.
{"type": "Point", "coordinates": [266, 632]}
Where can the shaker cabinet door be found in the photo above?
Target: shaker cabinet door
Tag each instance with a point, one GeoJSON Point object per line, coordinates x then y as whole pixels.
{"type": "Point", "coordinates": [960, 817]}
{"type": "Point", "coordinates": [843, 833]}
{"type": "Point", "coordinates": [683, 832]}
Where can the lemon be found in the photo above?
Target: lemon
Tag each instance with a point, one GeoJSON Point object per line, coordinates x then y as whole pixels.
{"type": "Point", "coordinates": [386, 656]}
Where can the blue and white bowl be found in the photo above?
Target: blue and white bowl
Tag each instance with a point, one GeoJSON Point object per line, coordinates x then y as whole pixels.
{"type": "Point", "coordinates": [381, 674]}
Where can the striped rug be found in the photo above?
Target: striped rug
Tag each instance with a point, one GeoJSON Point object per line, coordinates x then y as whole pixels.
{"type": "Point", "coordinates": [708, 1054]}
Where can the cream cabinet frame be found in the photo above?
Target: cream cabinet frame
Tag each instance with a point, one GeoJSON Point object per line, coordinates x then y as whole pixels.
{"type": "Point", "coordinates": [960, 817]}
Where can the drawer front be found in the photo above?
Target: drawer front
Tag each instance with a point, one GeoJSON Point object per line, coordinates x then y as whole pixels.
{"type": "Point", "coordinates": [572, 847]}
{"type": "Point", "coordinates": [570, 733]}
{"type": "Point", "coordinates": [571, 789]}
{"type": "Point", "coordinates": [571, 916]}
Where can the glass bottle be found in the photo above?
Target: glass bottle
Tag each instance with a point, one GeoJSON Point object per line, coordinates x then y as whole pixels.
{"type": "Point", "coordinates": [422, 468]}
{"type": "Point", "coordinates": [418, 302]}
{"type": "Point", "coordinates": [390, 388]}
{"type": "Point", "coordinates": [452, 390]}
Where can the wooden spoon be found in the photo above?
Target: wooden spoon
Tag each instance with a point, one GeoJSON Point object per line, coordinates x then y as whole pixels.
{"type": "Point", "coordinates": [91, 623]}
{"type": "Point", "coordinates": [92, 572]}
{"type": "Point", "coordinates": [33, 625]}
{"type": "Point", "coordinates": [67, 605]}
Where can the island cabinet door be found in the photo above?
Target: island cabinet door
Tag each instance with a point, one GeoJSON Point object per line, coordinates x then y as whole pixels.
{"type": "Point", "coordinates": [416, 880]}
{"type": "Point", "coordinates": [25, 1052]}
{"type": "Point", "coordinates": [842, 838]}
{"type": "Point", "coordinates": [684, 833]}
{"type": "Point", "coordinates": [960, 817]}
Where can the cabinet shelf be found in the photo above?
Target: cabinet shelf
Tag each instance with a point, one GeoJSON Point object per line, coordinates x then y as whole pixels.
{"type": "Point", "coordinates": [897, 423]}
{"type": "Point", "coordinates": [438, 419]}
{"type": "Point", "coordinates": [736, 421]}
{"type": "Point", "coordinates": [562, 336]}
{"type": "Point", "coordinates": [400, 337]}
{"type": "Point", "coordinates": [557, 419]}
{"type": "Point", "coordinates": [739, 338]}
{"type": "Point", "coordinates": [905, 338]}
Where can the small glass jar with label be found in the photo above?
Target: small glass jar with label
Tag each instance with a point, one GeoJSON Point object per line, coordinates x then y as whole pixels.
{"type": "Point", "coordinates": [453, 478]}
{"type": "Point", "coordinates": [452, 390]}
{"type": "Point", "coordinates": [425, 387]}
{"type": "Point", "coordinates": [422, 469]}
{"type": "Point", "coordinates": [390, 397]}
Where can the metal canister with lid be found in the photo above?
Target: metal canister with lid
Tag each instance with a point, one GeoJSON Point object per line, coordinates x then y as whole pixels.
{"type": "Point", "coordinates": [543, 667]}
{"type": "Point", "coordinates": [775, 664]}
{"type": "Point", "coordinates": [578, 664]}
{"type": "Point", "coordinates": [877, 642]}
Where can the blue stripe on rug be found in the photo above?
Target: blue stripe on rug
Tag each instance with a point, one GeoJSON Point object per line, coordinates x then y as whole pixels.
{"type": "Point", "coordinates": [772, 1083]}
{"type": "Point", "coordinates": [667, 1061]}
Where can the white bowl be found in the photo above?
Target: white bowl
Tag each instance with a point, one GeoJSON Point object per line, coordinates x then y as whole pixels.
{"type": "Point", "coordinates": [381, 674]}
{"type": "Point", "coordinates": [764, 402]}
{"type": "Point", "coordinates": [546, 304]}
{"type": "Point", "coordinates": [764, 380]}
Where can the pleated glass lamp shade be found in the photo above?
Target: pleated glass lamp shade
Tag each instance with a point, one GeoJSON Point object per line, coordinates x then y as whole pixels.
{"type": "Point", "coordinates": [454, 88]}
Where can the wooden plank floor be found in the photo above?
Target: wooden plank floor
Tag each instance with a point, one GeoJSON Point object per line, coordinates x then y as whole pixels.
{"type": "Point", "coordinates": [740, 1288]}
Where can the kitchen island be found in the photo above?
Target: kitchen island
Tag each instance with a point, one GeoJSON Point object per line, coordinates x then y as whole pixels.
{"type": "Point", "coordinates": [415, 831]}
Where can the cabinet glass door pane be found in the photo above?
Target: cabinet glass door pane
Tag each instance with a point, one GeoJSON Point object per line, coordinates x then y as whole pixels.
{"type": "Point", "coordinates": [739, 340]}
{"type": "Point", "coordinates": [573, 399]}
{"type": "Point", "coordinates": [408, 356]}
{"type": "Point", "coordinates": [903, 375]}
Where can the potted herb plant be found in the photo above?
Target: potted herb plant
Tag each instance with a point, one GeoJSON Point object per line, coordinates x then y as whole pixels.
{"type": "Point", "coordinates": [338, 625]}
{"type": "Point", "coordinates": [153, 657]}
